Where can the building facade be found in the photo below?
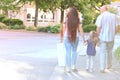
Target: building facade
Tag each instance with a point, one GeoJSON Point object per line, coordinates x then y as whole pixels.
{"type": "Point", "coordinates": [27, 15]}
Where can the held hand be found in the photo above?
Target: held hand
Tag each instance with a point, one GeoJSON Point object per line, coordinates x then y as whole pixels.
{"type": "Point", "coordinates": [85, 43]}
{"type": "Point", "coordinates": [61, 41]}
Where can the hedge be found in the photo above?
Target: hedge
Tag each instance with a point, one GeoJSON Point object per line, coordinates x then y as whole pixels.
{"type": "Point", "coordinates": [117, 53]}
{"type": "Point", "coordinates": [52, 29]}
{"type": "Point", "coordinates": [90, 27]}
{"type": "Point", "coordinates": [12, 22]}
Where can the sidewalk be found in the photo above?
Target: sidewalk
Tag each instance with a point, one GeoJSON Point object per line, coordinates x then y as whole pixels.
{"type": "Point", "coordinates": [82, 74]}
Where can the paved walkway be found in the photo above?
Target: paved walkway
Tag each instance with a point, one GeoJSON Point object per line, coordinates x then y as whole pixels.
{"type": "Point", "coordinates": [27, 55]}
{"type": "Point", "coordinates": [32, 56]}
{"type": "Point", "coordinates": [82, 74]}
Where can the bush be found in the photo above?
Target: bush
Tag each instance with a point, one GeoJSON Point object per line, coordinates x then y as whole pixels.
{"type": "Point", "coordinates": [42, 29]}
{"type": "Point", "coordinates": [52, 29]}
{"type": "Point", "coordinates": [117, 53]}
{"type": "Point", "coordinates": [17, 27]}
{"type": "Point", "coordinates": [90, 27]}
{"type": "Point", "coordinates": [12, 22]}
{"type": "Point", "coordinates": [31, 28]}
{"type": "Point", "coordinates": [2, 26]}
{"type": "Point", "coordinates": [2, 17]}
{"type": "Point", "coordinates": [87, 19]}
{"type": "Point", "coordinates": [55, 29]}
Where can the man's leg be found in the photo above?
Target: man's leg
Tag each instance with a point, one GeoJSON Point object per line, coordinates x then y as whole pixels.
{"type": "Point", "coordinates": [109, 54]}
{"type": "Point", "coordinates": [103, 50]}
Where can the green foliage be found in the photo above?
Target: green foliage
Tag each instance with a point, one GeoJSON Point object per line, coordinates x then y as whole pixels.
{"type": "Point", "coordinates": [90, 27]}
{"type": "Point", "coordinates": [16, 27]}
{"type": "Point", "coordinates": [55, 29]}
{"type": "Point", "coordinates": [31, 28]}
{"type": "Point", "coordinates": [12, 22]}
{"type": "Point", "coordinates": [113, 10]}
{"type": "Point", "coordinates": [43, 29]}
{"type": "Point", "coordinates": [52, 29]}
{"type": "Point", "coordinates": [87, 19]}
{"type": "Point", "coordinates": [6, 5]}
{"type": "Point", "coordinates": [43, 4]}
{"type": "Point", "coordinates": [117, 53]}
{"type": "Point", "coordinates": [49, 4]}
{"type": "Point", "coordinates": [2, 17]}
{"type": "Point", "coordinates": [2, 26]}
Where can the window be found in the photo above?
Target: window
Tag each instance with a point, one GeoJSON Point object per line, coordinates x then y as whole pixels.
{"type": "Point", "coordinates": [28, 16]}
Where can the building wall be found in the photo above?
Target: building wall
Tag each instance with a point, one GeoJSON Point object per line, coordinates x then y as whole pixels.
{"type": "Point", "coordinates": [27, 15]}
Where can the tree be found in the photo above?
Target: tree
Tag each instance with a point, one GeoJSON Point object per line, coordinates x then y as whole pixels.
{"type": "Point", "coordinates": [46, 5]}
{"type": "Point", "coordinates": [66, 4]}
{"type": "Point", "coordinates": [88, 9]}
{"type": "Point", "coordinates": [83, 6]}
{"type": "Point", "coordinates": [6, 5]}
{"type": "Point", "coordinates": [36, 12]}
{"type": "Point", "coordinates": [115, 0]}
{"type": "Point", "coordinates": [42, 5]}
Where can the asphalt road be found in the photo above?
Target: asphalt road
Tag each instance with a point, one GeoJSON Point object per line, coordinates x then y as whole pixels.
{"type": "Point", "coordinates": [27, 55]}
{"type": "Point", "coordinates": [33, 56]}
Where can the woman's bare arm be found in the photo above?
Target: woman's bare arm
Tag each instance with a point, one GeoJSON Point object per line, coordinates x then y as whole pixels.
{"type": "Point", "coordinates": [82, 33]}
{"type": "Point", "coordinates": [62, 32]}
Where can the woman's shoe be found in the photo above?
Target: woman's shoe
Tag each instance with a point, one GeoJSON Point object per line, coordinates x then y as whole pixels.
{"type": "Point", "coordinates": [67, 69]}
{"type": "Point", "coordinates": [74, 68]}
{"type": "Point", "coordinates": [87, 69]}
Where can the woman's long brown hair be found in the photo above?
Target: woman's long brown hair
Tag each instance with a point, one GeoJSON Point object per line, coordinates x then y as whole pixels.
{"type": "Point", "coordinates": [72, 23]}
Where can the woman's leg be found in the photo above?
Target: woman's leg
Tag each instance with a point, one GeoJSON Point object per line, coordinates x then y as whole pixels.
{"type": "Point", "coordinates": [68, 52]}
{"type": "Point", "coordinates": [74, 52]}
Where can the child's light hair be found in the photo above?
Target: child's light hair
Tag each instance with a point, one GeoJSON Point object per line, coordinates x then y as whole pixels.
{"type": "Point", "coordinates": [93, 38]}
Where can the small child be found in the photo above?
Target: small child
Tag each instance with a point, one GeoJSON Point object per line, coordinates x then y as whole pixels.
{"type": "Point", "coordinates": [92, 41]}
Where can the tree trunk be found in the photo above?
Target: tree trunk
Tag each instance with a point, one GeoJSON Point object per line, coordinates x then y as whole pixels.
{"type": "Point", "coordinates": [62, 16]}
{"type": "Point", "coordinates": [6, 12]}
{"type": "Point", "coordinates": [36, 12]}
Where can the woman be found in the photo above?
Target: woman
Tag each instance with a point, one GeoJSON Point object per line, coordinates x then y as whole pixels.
{"type": "Point", "coordinates": [70, 37]}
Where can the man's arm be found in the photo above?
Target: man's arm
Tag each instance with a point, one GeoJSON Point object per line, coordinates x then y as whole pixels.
{"type": "Point", "coordinates": [116, 29]}
{"type": "Point", "coordinates": [98, 30]}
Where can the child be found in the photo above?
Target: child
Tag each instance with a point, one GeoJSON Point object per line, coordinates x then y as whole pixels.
{"type": "Point", "coordinates": [91, 49]}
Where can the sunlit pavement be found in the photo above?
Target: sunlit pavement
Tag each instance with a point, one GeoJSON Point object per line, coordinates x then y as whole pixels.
{"type": "Point", "coordinates": [33, 56]}
{"type": "Point", "coordinates": [110, 74]}
{"type": "Point", "coordinates": [27, 55]}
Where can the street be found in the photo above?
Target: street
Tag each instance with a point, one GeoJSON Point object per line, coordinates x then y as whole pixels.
{"type": "Point", "coordinates": [27, 55]}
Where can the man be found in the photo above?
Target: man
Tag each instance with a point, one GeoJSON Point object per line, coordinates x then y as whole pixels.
{"type": "Point", "coordinates": [107, 25]}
